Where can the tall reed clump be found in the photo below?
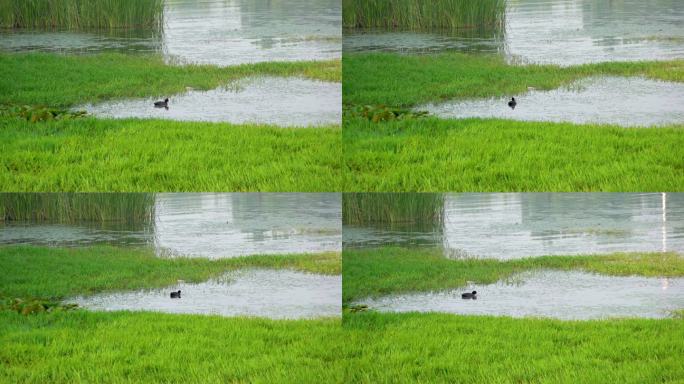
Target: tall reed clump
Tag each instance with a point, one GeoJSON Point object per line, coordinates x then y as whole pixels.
{"type": "Point", "coordinates": [424, 15]}
{"type": "Point", "coordinates": [69, 208]}
{"type": "Point", "coordinates": [393, 208]}
{"type": "Point", "coordinates": [81, 14]}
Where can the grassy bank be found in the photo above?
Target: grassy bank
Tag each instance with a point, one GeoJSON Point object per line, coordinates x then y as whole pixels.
{"type": "Point", "coordinates": [421, 15]}
{"type": "Point", "coordinates": [126, 208]}
{"type": "Point", "coordinates": [59, 80]}
{"type": "Point", "coordinates": [43, 272]}
{"type": "Point", "coordinates": [82, 346]}
{"type": "Point", "coordinates": [433, 155]}
{"type": "Point", "coordinates": [158, 155]}
{"type": "Point", "coordinates": [382, 271]}
{"type": "Point", "coordinates": [404, 80]}
{"type": "Point", "coordinates": [439, 348]}
{"type": "Point", "coordinates": [81, 14]}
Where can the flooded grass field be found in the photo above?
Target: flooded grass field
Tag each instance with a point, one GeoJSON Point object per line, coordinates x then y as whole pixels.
{"type": "Point", "coordinates": [603, 100]}
{"type": "Point", "coordinates": [558, 255]}
{"type": "Point", "coordinates": [255, 293]}
{"type": "Point", "coordinates": [583, 62]}
{"type": "Point", "coordinates": [285, 102]}
{"type": "Point", "coordinates": [253, 254]}
{"type": "Point", "coordinates": [248, 63]}
{"type": "Point", "coordinates": [554, 294]}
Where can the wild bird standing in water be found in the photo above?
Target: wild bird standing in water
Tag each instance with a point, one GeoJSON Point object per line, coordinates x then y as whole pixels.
{"type": "Point", "coordinates": [162, 104]}
{"type": "Point", "coordinates": [469, 295]}
{"type": "Point", "coordinates": [175, 295]}
{"type": "Point", "coordinates": [512, 103]}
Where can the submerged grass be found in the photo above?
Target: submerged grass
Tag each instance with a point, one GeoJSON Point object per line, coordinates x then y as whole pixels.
{"type": "Point", "coordinates": [157, 155]}
{"type": "Point", "coordinates": [81, 14]}
{"type": "Point", "coordinates": [423, 15]}
{"type": "Point", "coordinates": [434, 155]}
{"type": "Point", "coordinates": [404, 80]}
{"type": "Point", "coordinates": [55, 273]}
{"type": "Point", "coordinates": [77, 207]}
{"type": "Point", "coordinates": [63, 81]}
{"type": "Point", "coordinates": [382, 271]}
{"type": "Point", "coordinates": [369, 208]}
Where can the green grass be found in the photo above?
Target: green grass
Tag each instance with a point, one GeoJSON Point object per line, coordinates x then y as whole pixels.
{"type": "Point", "coordinates": [423, 15]}
{"type": "Point", "coordinates": [83, 346]}
{"type": "Point", "coordinates": [156, 155]}
{"type": "Point", "coordinates": [44, 272]}
{"type": "Point", "coordinates": [77, 207]}
{"type": "Point", "coordinates": [369, 208]}
{"type": "Point", "coordinates": [81, 14]}
{"type": "Point", "coordinates": [434, 155]}
{"type": "Point", "coordinates": [383, 271]}
{"type": "Point", "coordinates": [405, 80]}
{"type": "Point", "coordinates": [60, 80]}
{"type": "Point", "coordinates": [80, 346]}
{"type": "Point", "coordinates": [441, 348]}
{"type": "Point", "coordinates": [87, 347]}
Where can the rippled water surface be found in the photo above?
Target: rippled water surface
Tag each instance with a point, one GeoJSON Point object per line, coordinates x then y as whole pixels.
{"type": "Point", "coordinates": [263, 100]}
{"type": "Point", "coordinates": [515, 225]}
{"type": "Point", "coordinates": [563, 295]}
{"type": "Point", "coordinates": [222, 32]}
{"type": "Point", "coordinates": [260, 293]}
{"type": "Point", "coordinates": [606, 100]}
{"type": "Point", "coordinates": [210, 225]}
{"type": "Point", "coordinates": [563, 32]}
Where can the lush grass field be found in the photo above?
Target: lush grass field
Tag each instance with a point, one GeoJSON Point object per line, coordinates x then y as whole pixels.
{"type": "Point", "coordinates": [121, 347]}
{"type": "Point", "coordinates": [491, 154]}
{"type": "Point", "coordinates": [153, 155]}
{"type": "Point", "coordinates": [406, 80]}
{"type": "Point", "coordinates": [82, 346]}
{"type": "Point", "coordinates": [158, 155]}
{"type": "Point", "coordinates": [434, 155]}
{"type": "Point", "coordinates": [440, 348]}
{"type": "Point", "coordinates": [44, 272]}
{"type": "Point", "coordinates": [382, 271]}
{"type": "Point", "coordinates": [60, 80]}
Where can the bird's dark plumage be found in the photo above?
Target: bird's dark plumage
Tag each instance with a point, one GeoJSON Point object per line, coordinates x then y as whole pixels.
{"type": "Point", "coordinates": [469, 295]}
{"type": "Point", "coordinates": [175, 295]}
{"type": "Point", "coordinates": [512, 103]}
{"type": "Point", "coordinates": [162, 104]}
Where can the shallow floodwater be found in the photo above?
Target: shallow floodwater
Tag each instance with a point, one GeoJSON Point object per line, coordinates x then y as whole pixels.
{"type": "Point", "coordinates": [515, 225]}
{"type": "Point", "coordinates": [221, 32]}
{"type": "Point", "coordinates": [212, 225]}
{"type": "Point", "coordinates": [263, 100]}
{"type": "Point", "coordinates": [563, 32]}
{"type": "Point", "coordinates": [563, 295]}
{"type": "Point", "coordinates": [606, 100]}
{"type": "Point", "coordinates": [260, 293]}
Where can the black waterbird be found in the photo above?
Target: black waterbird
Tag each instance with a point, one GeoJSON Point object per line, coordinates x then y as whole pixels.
{"type": "Point", "coordinates": [162, 104]}
{"type": "Point", "coordinates": [469, 295]}
{"type": "Point", "coordinates": [175, 295]}
{"type": "Point", "coordinates": [512, 103]}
